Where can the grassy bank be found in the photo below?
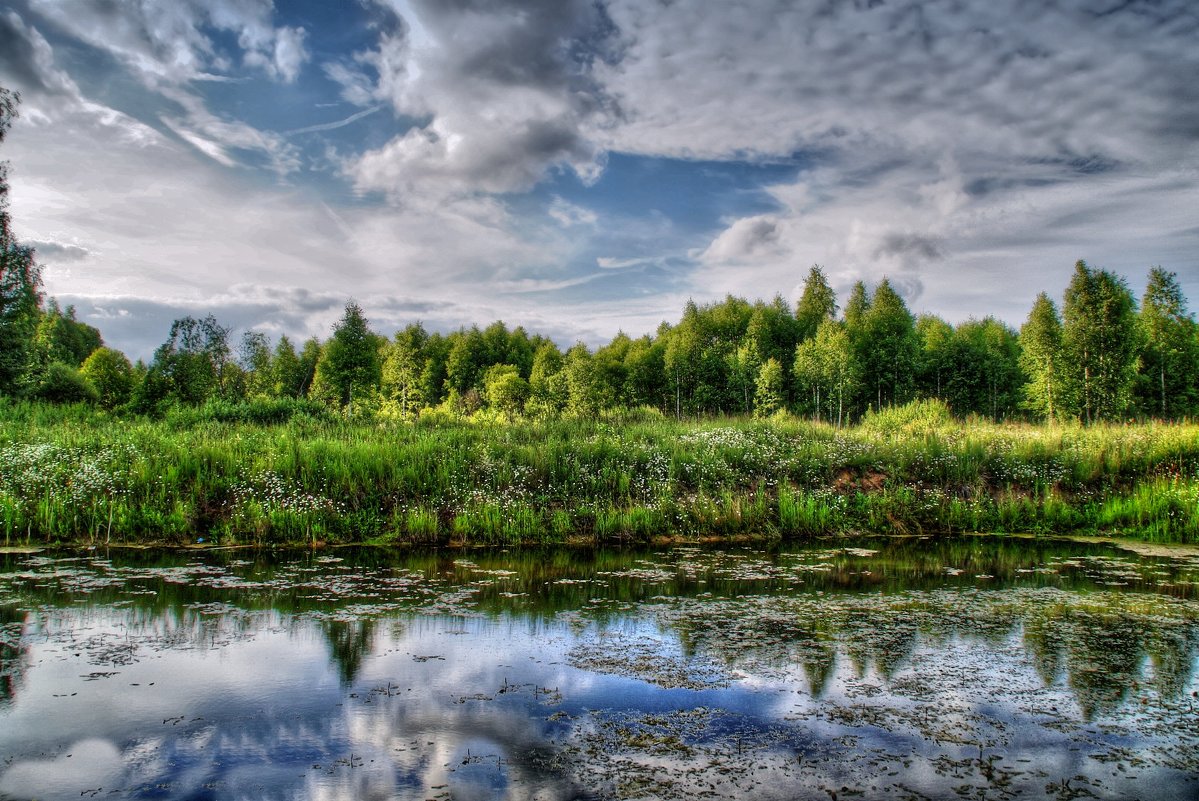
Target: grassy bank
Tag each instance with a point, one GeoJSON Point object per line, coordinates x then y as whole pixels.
{"type": "Point", "coordinates": [72, 474]}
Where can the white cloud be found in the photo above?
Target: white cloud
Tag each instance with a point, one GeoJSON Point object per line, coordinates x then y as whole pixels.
{"type": "Point", "coordinates": [166, 42]}
{"type": "Point", "coordinates": [505, 91]}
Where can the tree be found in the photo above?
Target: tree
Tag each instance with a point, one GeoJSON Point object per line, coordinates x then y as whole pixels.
{"type": "Point", "coordinates": [886, 346]}
{"type": "Point", "coordinates": [59, 337]}
{"type": "Point", "coordinates": [254, 356]}
{"type": "Point", "coordinates": [1170, 359]}
{"type": "Point", "coordinates": [402, 367]}
{"type": "Point", "coordinates": [111, 374]}
{"type": "Point", "coordinates": [817, 304]}
{"type": "Point", "coordinates": [548, 391]}
{"type": "Point", "coordinates": [1041, 357]}
{"type": "Point", "coordinates": [981, 361]}
{"type": "Point", "coordinates": [827, 372]}
{"type": "Point", "coordinates": [351, 360]}
{"type": "Point", "coordinates": [20, 280]}
{"type": "Point", "coordinates": [190, 366]}
{"type": "Point", "coordinates": [768, 393]}
{"type": "Point", "coordinates": [61, 383]}
{"type": "Point", "coordinates": [933, 336]}
{"type": "Point", "coordinates": [505, 389]}
{"type": "Point", "coordinates": [1101, 339]}
{"type": "Point", "coordinates": [287, 371]}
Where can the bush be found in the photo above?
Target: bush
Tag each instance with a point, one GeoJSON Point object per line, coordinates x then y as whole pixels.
{"type": "Point", "coordinates": [921, 418]}
{"type": "Point", "coordinates": [63, 384]}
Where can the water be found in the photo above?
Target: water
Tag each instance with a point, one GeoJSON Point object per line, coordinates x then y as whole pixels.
{"type": "Point", "coordinates": [906, 669]}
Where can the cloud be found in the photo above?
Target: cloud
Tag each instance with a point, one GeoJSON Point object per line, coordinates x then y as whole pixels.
{"type": "Point", "coordinates": [57, 251]}
{"type": "Point", "coordinates": [568, 214]}
{"type": "Point", "coordinates": [169, 42]}
{"type": "Point", "coordinates": [28, 61]}
{"type": "Point", "coordinates": [746, 239]}
{"type": "Point", "coordinates": [505, 90]}
{"type": "Point", "coordinates": [926, 248]}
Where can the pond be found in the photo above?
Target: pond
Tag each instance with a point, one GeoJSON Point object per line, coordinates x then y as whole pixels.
{"type": "Point", "coordinates": [876, 668]}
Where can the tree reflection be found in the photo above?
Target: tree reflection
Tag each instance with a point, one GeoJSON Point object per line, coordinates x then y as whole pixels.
{"type": "Point", "coordinates": [349, 643]}
{"type": "Point", "coordinates": [14, 654]}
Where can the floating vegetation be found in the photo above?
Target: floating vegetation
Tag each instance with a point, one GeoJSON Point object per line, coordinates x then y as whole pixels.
{"type": "Point", "coordinates": [865, 668]}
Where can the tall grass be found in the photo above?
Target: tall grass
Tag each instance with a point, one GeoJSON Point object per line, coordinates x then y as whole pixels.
{"type": "Point", "coordinates": [73, 474]}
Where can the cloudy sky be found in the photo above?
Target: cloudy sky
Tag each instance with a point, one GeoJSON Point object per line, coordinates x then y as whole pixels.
{"type": "Point", "coordinates": [585, 166]}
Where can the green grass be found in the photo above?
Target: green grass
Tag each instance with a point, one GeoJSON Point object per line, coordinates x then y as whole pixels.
{"type": "Point", "coordinates": [78, 475]}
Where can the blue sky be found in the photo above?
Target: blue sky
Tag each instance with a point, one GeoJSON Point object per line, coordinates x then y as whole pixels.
{"type": "Point", "coordinates": [581, 167]}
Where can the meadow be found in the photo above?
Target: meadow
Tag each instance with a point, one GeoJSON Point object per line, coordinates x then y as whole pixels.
{"type": "Point", "coordinates": [283, 474]}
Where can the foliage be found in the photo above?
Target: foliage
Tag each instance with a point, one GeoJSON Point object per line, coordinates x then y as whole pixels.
{"type": "Point", "coordinates": [62, 383]}
{"type": "Point", "coordinates": [350, 364]}
{"type": "Point", "coordinates": [20, 281]}
{"type": "Point", "coordinates": [111, 374]}
{"type": "Point", "coordinates": [1100, 335]}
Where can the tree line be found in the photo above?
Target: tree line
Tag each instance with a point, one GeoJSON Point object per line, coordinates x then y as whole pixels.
{"type": "Point", "coordinates": [1100, 356]}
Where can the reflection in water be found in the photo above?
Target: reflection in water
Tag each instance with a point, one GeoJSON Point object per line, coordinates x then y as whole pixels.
{"type": "Point", "coordinates": [892, 669]}
{"type": "Point", "coordinates": [349, 642]}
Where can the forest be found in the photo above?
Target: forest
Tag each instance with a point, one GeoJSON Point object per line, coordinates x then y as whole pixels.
{"type": "Point", "coordinates": [1099, 356]}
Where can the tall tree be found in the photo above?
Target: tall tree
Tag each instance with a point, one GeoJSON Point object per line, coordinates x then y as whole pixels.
{"type": "Point", "coordinates": [190, 366]}
{"type": "Point", "coordinates": [817, 304]}
{"type": "Point", "coordinates": [982, 364]}
{"type": "Point", "coordinates": [287, 371]}
{"type": "Point", "coordinates": [828, 372]}
{"type": "Point", "coordinates": [548, 391]}
{"type": "Point", "coordinates": [1101, 338]}
{"type": "Point", "coordinates": [887, 347]}
{"type": "Point", "coordinates": [351, 359]}
{"type": "Point", "coordinates": [1041, 358]}
{"type": "Point", "coordinates": [20, 280]}
{"type": "Point", "coordinates": [254, 356]}
{"type": "Point", "coordinates": [1170, 360]}
{"type": "Point", "coordinates": [768, 392]}
{"type": "Point", "coordinates": [933, 336]}
{"type": "Point", "coordinates": [403, 363]}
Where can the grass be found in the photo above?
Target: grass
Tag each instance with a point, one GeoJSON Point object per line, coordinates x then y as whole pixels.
{"type": "Point", "coordinates": [78, 475]}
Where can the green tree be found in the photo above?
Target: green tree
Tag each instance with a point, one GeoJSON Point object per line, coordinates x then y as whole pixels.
{"type": "Point", "coordinates": [1170, 359]}
{"type": "Point", "coordinates": [1101, 338]}
{"type": "Point", "coordinates": [585, 393]}
{"type": "Point", "coordinates": [59, 337]}
{"type": "Point", "coordinates": [351, 359]}
{"type": "Point", "coordinates": [20, 281]}
{"type": "Point", "coordinates": [1041, 358]}
{"type": "Point", "coordinates": [828, 373]}
{"type": "Point", "coordinates": [548, 390]}
{"type": "Point", "coordinates": [768, 392]}
{"type": "Point", "coordinates": [403, 364]}
{"type": "Point", "coordinates": [933, 336]}
{"type": "Point", "coordinates": [61, 383]}
{"type": "Point", "coordinates": [189, 367]}
{"type": "Point", "coordinates": [887, 347]}
{"type": "Point", "coordinates": [310, 357]}
{"type": "Point", "coordinates": [505, 389]}
{"type": "Point", "coordinates": [254, 357]}
{"type": "Point", "coordinates": [817, 303]}
{"type": "Point", "coordinates": [982, 364]}
{"type": "Point", "coordinates": [287, 371]}
{"type": "Point", "coordinates": [111, 374]}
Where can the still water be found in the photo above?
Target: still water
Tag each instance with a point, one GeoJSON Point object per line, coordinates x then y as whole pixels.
{"type": "Point", "coordinates": [880, 668]}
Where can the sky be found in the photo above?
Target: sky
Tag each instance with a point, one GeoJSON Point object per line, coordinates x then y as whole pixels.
{"type": "Point", "coordinates": [582, 167]}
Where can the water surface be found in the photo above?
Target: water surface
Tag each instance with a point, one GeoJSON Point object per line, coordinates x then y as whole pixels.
{"type": "Point", "coordinates": [902, 668]}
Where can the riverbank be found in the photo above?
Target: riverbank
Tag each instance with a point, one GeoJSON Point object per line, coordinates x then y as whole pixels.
{"type": "Point", "coordinates": [80, 476]}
